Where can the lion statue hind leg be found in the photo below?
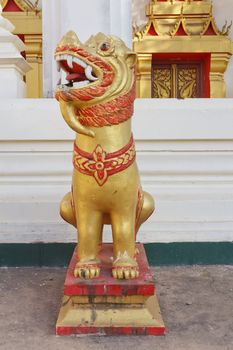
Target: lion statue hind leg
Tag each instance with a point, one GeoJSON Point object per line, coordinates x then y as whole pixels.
{"type": "Point", "coordinates": [67, 209]}
{"type": "Point", "coordinates": [147, 209]}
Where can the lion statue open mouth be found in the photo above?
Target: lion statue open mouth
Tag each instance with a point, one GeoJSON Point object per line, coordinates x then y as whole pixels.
{"type": "Point", "coordinates": [97, 103]}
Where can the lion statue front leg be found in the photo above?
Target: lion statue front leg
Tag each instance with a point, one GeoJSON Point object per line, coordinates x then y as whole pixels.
{"type": "Point", "coordinates": [90, 229]}
{"type": "Point", "coordinates": [89, 226]}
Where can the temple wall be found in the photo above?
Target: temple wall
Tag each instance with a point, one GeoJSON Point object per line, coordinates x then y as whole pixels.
{"type": "Point", "coordinates": [185, 150]}
{"type": "Point", "coordinates": [223, 10]}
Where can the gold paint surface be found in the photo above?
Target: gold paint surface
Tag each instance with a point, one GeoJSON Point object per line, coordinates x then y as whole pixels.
{"type": "Point", "coordinates": [97, 315]}
{"type": "Point", "coordinates": [34, 78]}
{"type": "Point", "coordinates": [25, 22]}
{"type": "Point", "coordinates": [3, 3]}
{"type": "Point", "coordinates": [134, 299]}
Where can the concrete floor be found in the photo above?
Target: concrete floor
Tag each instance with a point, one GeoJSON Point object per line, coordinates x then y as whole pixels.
{"type": "Point", "coordinates": [196, 304]}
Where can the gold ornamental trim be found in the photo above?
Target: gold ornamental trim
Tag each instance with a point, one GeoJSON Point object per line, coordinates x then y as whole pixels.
{"type": "Point", "coordinates": [175, 7]}
{"type": "Point", "coordinates": [3, 3]}
{"type": "Point", "coordinates": [24, 5]}
{"type": "Point", "coordinates": [184, 44]}
{"type": "Point", "coordinates": [195, 17]}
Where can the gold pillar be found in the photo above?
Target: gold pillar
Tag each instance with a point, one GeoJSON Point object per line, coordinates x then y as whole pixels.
{"type": "Point", "coordinates": [29, 24]}
{"type": "Point", "coordinates": [34, 58]}
{"type": "Point", "coordinates": [144, 69]}
{"type": "Point", "coordinates": [218, 66]}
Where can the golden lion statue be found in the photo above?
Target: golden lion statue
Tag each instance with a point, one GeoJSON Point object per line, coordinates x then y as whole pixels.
{"type": "Point", "coordinates": [97, 103]}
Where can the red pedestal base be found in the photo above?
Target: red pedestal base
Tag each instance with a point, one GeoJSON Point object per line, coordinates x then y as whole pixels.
{"type": "Point", "coordinates": [108, 306]}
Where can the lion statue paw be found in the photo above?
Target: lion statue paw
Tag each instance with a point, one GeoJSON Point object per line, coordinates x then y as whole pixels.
{"type": "Point", "coordinates": [125, 267]}
{"type": "Point", "coordinates": [87, 270]}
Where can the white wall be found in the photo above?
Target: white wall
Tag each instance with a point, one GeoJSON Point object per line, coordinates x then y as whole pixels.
{"type": "Point", "coordinates": [222, 10]}
{"type": "Point", "coordinates": [185, 156]}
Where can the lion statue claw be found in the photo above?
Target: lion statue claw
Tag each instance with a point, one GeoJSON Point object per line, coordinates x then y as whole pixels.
{"type": "Point", "coordinates": [97, 103]}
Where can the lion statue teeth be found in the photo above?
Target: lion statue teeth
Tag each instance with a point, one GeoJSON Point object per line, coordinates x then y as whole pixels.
{"type": "Point", "coordinates": [97, 103]}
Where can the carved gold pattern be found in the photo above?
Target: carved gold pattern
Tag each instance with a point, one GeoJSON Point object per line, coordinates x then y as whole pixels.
{"type": "Point", "coordinates": [187, 82]}
{"type": "Point", "coordinates": [175, 80]}
{"type": "Point", "coordinates": [162, 82]}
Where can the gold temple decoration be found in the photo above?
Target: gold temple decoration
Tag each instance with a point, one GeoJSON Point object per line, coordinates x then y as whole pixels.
{"type": "Point", "coordinates": [176, 80]}
{"type": "Point", "coordinates": [28, 25]}
{"type": "Point", "coordinates": [24, 5]}
{"type": "Point", "coordinates": [181, 52]}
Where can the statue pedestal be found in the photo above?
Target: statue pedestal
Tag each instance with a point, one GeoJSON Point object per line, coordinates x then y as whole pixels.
{"type": "Point", "coordinates": [106, 306]}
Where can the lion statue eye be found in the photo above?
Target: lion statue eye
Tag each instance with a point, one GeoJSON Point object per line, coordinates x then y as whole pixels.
{"type": "Point", "coordinates": [105, 46]}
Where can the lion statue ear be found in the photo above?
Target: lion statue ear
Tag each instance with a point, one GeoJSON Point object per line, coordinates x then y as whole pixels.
{"type": "Point", "coordinates": [131, 59]}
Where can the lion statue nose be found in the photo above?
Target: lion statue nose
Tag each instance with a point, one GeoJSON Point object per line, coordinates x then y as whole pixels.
{"type": "Point", "coordinates": [70, 39]}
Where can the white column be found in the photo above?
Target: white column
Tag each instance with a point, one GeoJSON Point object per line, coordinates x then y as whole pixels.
{"type": "Point", "coordinates": [13, 66]}
{"type": "Point", "coordinates": [51, 18]}
{"type": "Point", "coordinates": [85, 17]}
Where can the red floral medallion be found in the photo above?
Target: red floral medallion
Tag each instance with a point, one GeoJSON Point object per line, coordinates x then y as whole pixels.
{"type": "Point", "coordinates": [101, 164]}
